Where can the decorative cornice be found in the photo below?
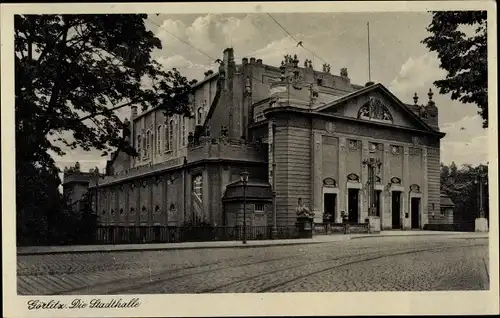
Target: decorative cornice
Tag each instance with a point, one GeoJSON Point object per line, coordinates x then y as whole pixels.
{"type": "Point", "coordinates": [306, 113]}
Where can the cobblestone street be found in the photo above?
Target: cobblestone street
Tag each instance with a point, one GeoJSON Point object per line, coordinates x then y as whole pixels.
{"type": "Point", "coordinates": [371, 264]}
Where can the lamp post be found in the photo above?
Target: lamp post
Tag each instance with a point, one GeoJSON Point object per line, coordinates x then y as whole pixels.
{"type": "Point", "coordinates": [372, 163]}
{"type": "Point", "coordinates": [481, 180]}
{"type": "Point", "coordinates": [244, 180]}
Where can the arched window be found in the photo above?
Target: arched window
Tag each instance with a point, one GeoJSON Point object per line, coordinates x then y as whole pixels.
{"type": "Point", "coordinates": [171, 129]}
{"type": "Point", "coordinates": [199, 116]}
{"type": "Point", "coordinates": [158, 139]}
{"type": "Point", "coordinates": [198, 187]}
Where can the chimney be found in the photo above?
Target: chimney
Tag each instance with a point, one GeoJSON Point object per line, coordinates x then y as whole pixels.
{"type": "Point", "coordinates": [259, 61]}
{"type": "Point", "coordinates": [133, 112]}
{"type": "Point", "coordinates": [252, 60]}
{"type": "Point", "coordinates": [244, 61]}
{"type": "Point", "coordinates": [228, 55]}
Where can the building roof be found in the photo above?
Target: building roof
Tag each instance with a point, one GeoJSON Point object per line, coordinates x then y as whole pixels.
{"type": "Point", "coordinates": [446, 202]}
{"type": "Point", "coordinates": [255, 190]}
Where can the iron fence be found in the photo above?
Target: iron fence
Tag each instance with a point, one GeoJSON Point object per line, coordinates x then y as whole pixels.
{"type": "Point", "coordinates": [178, 234]}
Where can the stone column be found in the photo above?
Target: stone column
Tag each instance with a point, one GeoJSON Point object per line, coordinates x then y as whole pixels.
{"type": "Point", "coordinates": [406, 184]}
{"type": "Point", "coordinates": [317, 158]}
{"type": "Point", "coordinates": [342, 182]}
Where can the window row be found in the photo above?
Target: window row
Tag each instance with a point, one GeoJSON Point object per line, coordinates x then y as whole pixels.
{"type": "Point", "coordinates": [132, 210]}
{"type": "Point", "coordinates": [163, 139]}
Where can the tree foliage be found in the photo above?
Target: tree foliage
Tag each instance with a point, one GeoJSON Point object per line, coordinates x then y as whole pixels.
{"type": "Point", "coordinates": [462, 186]}
{"type": "Point", "coordinates": [460, 40]}
{"type": "Point", "coordinates": [72, 74]}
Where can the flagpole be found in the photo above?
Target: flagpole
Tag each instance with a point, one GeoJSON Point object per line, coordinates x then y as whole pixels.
{"type": "Point", "coordinates": [369, 60]}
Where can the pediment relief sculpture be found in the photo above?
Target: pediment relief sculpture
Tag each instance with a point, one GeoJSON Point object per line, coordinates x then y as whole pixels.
{"type": "Point", "coordinates": [375, 109]}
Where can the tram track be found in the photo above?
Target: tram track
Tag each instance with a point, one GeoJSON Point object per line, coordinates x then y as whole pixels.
{"type": "Point", "coordinates": [153, 285]}
{"type": "Point", "coordinates": [158, 277]}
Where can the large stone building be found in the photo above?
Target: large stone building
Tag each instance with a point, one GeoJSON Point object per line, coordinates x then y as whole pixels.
{"type": "Point", "coordinates": [299, 132]}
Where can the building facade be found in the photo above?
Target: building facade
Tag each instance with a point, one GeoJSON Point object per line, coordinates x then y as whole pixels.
{"type": "Point", "coordinates": [300, 133]}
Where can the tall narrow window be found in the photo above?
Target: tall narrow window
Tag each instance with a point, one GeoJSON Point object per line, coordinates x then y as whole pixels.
{"type": "Point", "coordinates": [148, 143]}
{"type": "Point", "coordinates": [167, 136]}
{"type": "Point", "coordinates": [198, 187]}
{"type": "Point", "coordinates": [199, 116]}
{"type": "Point", "coordinates": [171, 129]}
{"type": "Point", "coordinates": [183, 132]}
{"type": "Point", "coordinates": [144, 146]}
{"type": "Point", "coordinates": [158, 139]}
{"type": "Point", "coordinates": [139, 148]}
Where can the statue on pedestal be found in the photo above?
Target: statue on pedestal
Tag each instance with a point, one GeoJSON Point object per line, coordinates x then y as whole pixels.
{"type": "Point", "coordinates": [303, 211]}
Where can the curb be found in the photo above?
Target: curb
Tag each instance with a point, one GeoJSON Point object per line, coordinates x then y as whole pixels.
{"type": "Point", "coordinates": [167, 248]}
{"type": "Point", "coordinates": [170, 248]}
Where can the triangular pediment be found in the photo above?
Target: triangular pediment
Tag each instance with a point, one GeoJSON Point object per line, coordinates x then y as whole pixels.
{"type": "Point", "coordinates": [377, 104]}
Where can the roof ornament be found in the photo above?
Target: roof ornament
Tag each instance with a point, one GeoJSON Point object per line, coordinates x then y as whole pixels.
{"type": "Point", "coordinates": [415, 99]}
{"type": "Point", "coordinates": [326, 68]}
{"type": "Point", "coordinates": [343, 72]}
{"type": "Point", "coordinates": [430, 94]}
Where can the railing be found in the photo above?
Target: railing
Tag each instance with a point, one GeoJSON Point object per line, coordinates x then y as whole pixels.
{"type": "Point", "coordinates": [177, 234]}
{"type": "Point", "coordinates": [341, 228]}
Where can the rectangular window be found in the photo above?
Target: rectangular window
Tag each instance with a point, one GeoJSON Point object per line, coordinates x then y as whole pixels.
{"type": "Point", "coordinates": [259, 208]}
{"type": "Point", "coordinates": [144, 147]}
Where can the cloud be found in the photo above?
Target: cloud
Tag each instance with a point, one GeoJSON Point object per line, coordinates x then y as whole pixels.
{"type": "Point", "coordinates": [398, 58]}
{"type": "Point", "coordinates": [416, 73]}
{"type": "Point", "coordinates": [465, 142]}
{"type": "Point", "coordinates": [187, 68]}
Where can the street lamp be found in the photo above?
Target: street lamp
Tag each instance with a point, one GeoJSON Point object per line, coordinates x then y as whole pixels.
{"type": "Point", "coordinates": [372, 163]}
{"type": "Point", "coordinates": [482, 180]}
{"type": "Point", "coordinates": [244, 180]}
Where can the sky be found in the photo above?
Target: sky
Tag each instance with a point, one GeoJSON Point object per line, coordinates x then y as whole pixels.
{"type": "Point", "coordinates": [398, 60]}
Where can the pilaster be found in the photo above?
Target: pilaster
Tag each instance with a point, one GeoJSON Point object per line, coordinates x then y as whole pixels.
{"type": "Point", "coordinates": [386, 177]}
{"type": "Point", "coordinates": [363, 209]}
{"type": "Point", "coordinates": [342, 182]}
{"type": "Point", "coordinates": [317, 172]}
{"type": "Point", "coordinates": [425, 200]}
{"type": "Point", "coordinates": [406, 184]}
{"type": "Point", "coordinates": [187, 198]}
{"type": "Point", "coordinates": [206, 204]}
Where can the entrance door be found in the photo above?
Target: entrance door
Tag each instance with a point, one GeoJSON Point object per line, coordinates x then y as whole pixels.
{"type": "Point", "coordinates": [396, 209]}
{"type": "Point", "coordinates": [415, 213]}
{"type": "Point", "coordinates": [353, 205]}
{"type": "Point", "coordinates": [329, 204]}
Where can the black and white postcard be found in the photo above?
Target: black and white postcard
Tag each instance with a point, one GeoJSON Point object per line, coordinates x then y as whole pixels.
{"type": "Point", "coordinates": [215, 159]}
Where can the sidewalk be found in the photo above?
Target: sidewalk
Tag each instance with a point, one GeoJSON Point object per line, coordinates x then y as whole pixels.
{"type": "Point", "coordinates": [36, 250]}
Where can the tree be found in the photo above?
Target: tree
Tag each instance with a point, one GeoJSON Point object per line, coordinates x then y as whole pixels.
{"type": "Point", "coordinates": [460, 185]}
{"type": "Point", "coordinates": [460, 40]}
{"type": "Point", "coordinates": [72, 73]}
